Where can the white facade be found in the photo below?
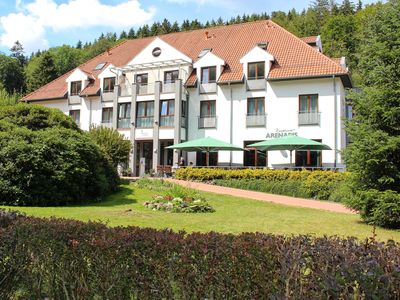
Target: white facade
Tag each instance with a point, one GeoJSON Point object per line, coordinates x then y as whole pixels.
{"type": "Point", "coordinates": [232, 121]}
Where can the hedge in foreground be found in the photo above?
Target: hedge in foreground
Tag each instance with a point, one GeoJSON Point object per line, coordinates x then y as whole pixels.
{"type": "Point", "coordinates": [60, 259]}
{"type": "Point", "coordinates": [323, 185]}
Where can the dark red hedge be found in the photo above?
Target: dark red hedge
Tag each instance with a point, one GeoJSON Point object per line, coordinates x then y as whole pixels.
{"type": "Point", "coordinates": [63, 259]}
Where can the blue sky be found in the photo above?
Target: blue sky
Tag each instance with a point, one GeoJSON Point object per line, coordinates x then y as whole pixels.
{"type": "Point", "coordinates": [40, 24]}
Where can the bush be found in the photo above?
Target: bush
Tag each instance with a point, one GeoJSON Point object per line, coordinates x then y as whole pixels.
{"type": "Point", "coordinates": [378, 208]}
{"type": "Point", "coordinates": [46, 163]}
{"type": "Point", "coordinates": [113, 144]}
{"type": "Point", "coordinates": [60, 259]}
{"type": "Point", "coordinates": [306, 184]}
{"type": "Point", "coordinates": [179, 205]}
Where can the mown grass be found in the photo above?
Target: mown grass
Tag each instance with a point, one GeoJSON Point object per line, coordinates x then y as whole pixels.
{"type": "Point", "coordinates": [233, 215]}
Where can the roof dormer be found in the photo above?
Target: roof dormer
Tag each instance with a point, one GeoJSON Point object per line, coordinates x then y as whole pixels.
{"type": "Point", "coordinates": [76, 82]}
{"type": "Point", "coordinates": [208, 69]}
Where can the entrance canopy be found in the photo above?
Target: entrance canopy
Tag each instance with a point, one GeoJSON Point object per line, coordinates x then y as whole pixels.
{"type": "Point", "coordinates": [289, 143]}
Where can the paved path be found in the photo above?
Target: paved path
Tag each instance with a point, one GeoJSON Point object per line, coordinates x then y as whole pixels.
{"type": "Point", "coordinates": [285, 200]}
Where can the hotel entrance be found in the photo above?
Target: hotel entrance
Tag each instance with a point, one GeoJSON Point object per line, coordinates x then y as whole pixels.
{"type": "Point", "coordinates": [144, 149]}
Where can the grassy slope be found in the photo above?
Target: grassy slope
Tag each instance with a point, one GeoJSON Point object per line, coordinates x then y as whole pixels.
{"type": "Point", "coordinates": [233, 215]}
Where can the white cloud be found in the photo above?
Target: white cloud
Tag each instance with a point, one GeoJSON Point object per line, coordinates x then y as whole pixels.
{"type": "Point", "coordinates": [29, 25]}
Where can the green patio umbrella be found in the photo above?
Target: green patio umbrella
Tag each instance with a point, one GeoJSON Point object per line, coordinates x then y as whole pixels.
{"type": "Point", "coordinates": [289, 143]}
{"type": "Point", "coordinates": [207, 145]}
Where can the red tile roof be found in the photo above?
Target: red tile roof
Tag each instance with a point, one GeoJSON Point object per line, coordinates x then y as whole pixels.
{"type": "Point", "coordinates": [293, 57]}
{"type": "Point", "coordinates": [309, 39]}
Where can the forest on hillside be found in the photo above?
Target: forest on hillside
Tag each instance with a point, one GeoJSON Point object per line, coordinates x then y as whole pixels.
{"type": "Point", "coordinates": [339, 24]}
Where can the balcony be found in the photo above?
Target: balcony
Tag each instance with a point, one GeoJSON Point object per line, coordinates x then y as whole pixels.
{"type": "Point", "coordinates": [254, 84]}
{"type": "Point", "coordinates": [107, 96]}
{"type": "Point", "coordinates": [183, 122]}
{"type": "Point", "coordinates": [74, 99]}
{"type": "Point", "coordinates": [168, 87]}
{"type": "Point", "coordinates": [125, 91]}
{"type": "Point", "coordinates": [146, 89]}
{"type": "Point", "coordinates": [309, 118]}
{"type": "Point", "coordinates": [144, 122]}
{"type": "Point", "coordinates": [207, 122]}
{"type": "Point", "coordinates": [107, 124]}
{"type": "Point", "coordinates": [208, 88]}
{"type": "Point", "coordinates": [124, 123]}
{"type": "Point", "coordinates": [167, 121]}
{"type": "Point", "coordinates": [253, 120]}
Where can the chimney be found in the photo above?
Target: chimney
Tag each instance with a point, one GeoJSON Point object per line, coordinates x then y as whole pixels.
{"type": "Point", "coordinates": [108, 51]}
{"type": "Point", "coordinates": [206, 35]}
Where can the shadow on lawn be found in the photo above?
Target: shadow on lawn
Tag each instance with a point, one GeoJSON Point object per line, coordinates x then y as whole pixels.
{"type": "Point", "coordinates": [123, 196]}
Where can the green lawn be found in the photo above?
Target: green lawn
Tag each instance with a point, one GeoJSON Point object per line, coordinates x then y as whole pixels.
{"type": "Point", "coordinates": [233, 215]}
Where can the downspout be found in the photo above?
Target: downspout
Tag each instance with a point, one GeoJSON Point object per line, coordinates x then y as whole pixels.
{"type": "Point", "coordinates": [335, 127]}
{"type": "Point", "coordinates": [231, 125]}
{"type": "Point", "coordinates": [90, 112]}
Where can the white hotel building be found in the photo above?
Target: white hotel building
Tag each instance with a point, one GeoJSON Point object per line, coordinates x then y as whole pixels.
{"type": "Point", "coordinates": [240, 84]}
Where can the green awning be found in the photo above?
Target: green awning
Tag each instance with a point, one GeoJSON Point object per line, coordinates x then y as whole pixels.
{"type": "Point", "coordinates": [289, 143]}
{"type": "Point", "coordinates": [206, 144]}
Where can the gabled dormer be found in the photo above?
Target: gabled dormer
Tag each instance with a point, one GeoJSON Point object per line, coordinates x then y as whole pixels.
{"type": "Point", "coordinates": [108, 81]}
{"type": "Point", "coordinates": [256, 65]}
{"type": "Point", "coordinates": [208, 69]}
{"type": "Point", "coordinates": [76, 82]}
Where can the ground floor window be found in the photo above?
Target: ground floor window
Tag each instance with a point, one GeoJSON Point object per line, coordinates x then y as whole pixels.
{"type": "Point", "coordinates": [201, 159]}
{"type": "Point", "coordinates": [75, 115]}
{"type": "Point", "coordinates": [254, 158]}
{"type": "Point", "coordinates": [144, 149]}
{"type": "Point", "coordinates": [166, 155]}
{"type": "Point", "coordinates": [309, 158]}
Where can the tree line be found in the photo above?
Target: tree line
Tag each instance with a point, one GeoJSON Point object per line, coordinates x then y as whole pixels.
{"type": "Point", "coordinates": [338, 23]}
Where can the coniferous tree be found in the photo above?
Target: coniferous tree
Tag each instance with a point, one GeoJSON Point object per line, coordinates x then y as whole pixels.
{"type": "Point", "coordinates": [347, 7]}
{"type": "Point", "coordinates": [175, 27]}
{"type": "Point", "coordinates": [79, 45]}
{"type": "Point", "coordinates": [123, 35]}
{"type": "Point", "coordinates": [17, 51]}
{"type": "Point", "coordinates": [131, 34]}
{"type": "Point", "coordinates": [44, 72]}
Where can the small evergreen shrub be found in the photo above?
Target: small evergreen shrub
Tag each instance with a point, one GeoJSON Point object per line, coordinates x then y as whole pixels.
{"type": "Point", "coordinates": [65, 259]}
{"type": "Point", "coordinates": [179, 205]}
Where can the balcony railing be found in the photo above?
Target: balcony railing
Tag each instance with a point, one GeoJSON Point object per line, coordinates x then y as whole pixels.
{"type": "Point", "coordinates": [207, 122]}
{"type": "Point", "coordinates": [144, 122]}
{"type": "Point", "coordinates": [208, 88]}
{"type": "Point", "coordinates": [107, 124]}
{"type": "Point", "coordinates": [125, 91]}
{"type": "Point", "coordinates": [168, 87]}
{"type": "Point", "coordinates": [124, 123]}
{"type": "Point", "coordinates": [167, 121]}
{"type": "Point", "coordinates": [256, 84]}
{"type": "Point", "coordinates": [253, 120]}
{"type": "Point", "coordinates": [146, 89]}
{"type": "Point", "coordinates": [309, 118]}
{"type": "Point", "coordinates": [183, 122]}
{"type": "Point", "coordinates": [74, 99]}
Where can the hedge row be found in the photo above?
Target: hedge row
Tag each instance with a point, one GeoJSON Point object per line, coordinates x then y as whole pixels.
{"type": "Point", "coordinates": [60, 259]}
{"type": "Point", "coordinates": [323, 185]}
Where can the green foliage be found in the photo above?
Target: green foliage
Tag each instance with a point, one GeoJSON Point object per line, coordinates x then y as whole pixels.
{"type": "Point", "coordinates": [46, 160]}
{"type": "Point", "coordinates": [41, 71]}
{"type": "Point", "coordinates": [378, 208]}
{"type": "Point", "coordinates": [179, 205]}
{"type": "Point", "coordinates": [62, 259]}
{"type": "Point", "coordinates": [12, 77]}
{"type": "Point", "coordinates": [65, 58]}
{"type": "Point", "coordinates": [8, 99]}
{"type": "Point", "coordinates": [115, 147]}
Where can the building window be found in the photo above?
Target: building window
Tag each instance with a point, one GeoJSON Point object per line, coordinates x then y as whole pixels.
{"type": "Point", "coordinates": [76, 87]}
{"type": "Point", "coordinates": [184, 108]}
{"type": "Point", "coordinates": [201, 158]}
{"type": "Point", "coordinates": [171, 76]}
{"type": "Point", "coordinates": [309, 158]}
{"type": "Point", "coordinates": [209, 75]}
{"type": "Point", "coordinates": [124, 115]}
{"type": "Point", "coordinates": [75, 115]}
{"type": "Point", "coordinates": [256, 106]}
{"type": "Point", "coordinates": [308, 103]}
{"type": "Point", "coordinates": [142, 79]}
{"type": "Point", "coordinates": [254, 158]}
{"type": "Point", "coordinates": [167, 112]}
{"type": "Point", "coordinates": [107, 115]}
{"type": "Point", "coordinates": [108, 85]}
{"type": "Point", "coordinates": [256, 70]}
{"type": "Point", "coordinates": [207, 108]}
{"type": "Point", "coordinates": [145, 114]}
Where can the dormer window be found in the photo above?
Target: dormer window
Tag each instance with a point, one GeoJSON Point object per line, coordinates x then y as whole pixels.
{"type": "Point", "coordinates": [76, 87]}
{"type": "Point", "coordinates": [256, 71]}
{"type": "Point", "coordinates": [142, 79]}
{"type": "Point", "coordinates": [108, 85]}
{"type": "Point", "coordinates": [208, 75]}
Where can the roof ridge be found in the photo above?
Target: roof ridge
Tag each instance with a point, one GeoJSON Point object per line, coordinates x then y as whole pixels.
{"type": "Point", "coordinates": [326, 58]}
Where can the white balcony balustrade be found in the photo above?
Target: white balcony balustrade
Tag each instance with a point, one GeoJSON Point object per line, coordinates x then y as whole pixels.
{"type": "Point", "coordinates": [124, 123]}
{"type": "Point", "coordinates": [167, 121]}
{"type": "Point", "coordinates": [309, 118]}
{"type": "Point", "coordinates": [256, 120]}
{"type": "Point", "coordinates": [145, 122]}
{"type": "Point", "coordinates": [207, 122]}
{"type": "Point", "coordinates": [254, 84]}
{"type": "Point", "coordinates": [146, 89]}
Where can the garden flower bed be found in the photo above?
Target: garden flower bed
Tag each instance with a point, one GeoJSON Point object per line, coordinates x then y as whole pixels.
{"type": "Point", "coordinates": [179, 205]}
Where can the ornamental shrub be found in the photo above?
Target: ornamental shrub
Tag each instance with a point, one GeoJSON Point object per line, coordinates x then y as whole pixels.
{"type": "Point", "coordinates": [306, 184]}
{"type": "Point", "coordinates": [45, 160]}
{"type": "Point", "coordinates": [65, 259]}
